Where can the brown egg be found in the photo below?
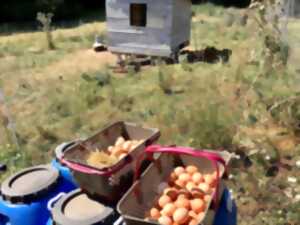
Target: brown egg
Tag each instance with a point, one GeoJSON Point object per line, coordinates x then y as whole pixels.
{"type": "Point", "coordinates": [172, 193]}
{"type": "Point", "coordinates": [165, 220]}
{"type": "Point", "coordinates": [197, 194]}
{"type": "Point", "coordinates": [126, 145]}
{"type": "Point", "coordinates": [204, 187]}
{"type": "Point", "coordinates": [190, 185]}
{"type": "Point", "coordinates": [187, 194]}
{"type": "Point", "coordinates": [179, 170]}
{"type": "Point", "coordinates": [193, 215]}
{"type": "Point", "coordinates": [181, 215]}
{"type": "Point", "coordinates": [191, 169]}
{"type": "Point", "coordinates": [154, 213]}
{"type": "Point", "coordinates": [197, 178]}
{"type": "Point", "coordinates": [209, 179]}
{"type": "Point", "coordinates": [110, 149]}
{"type": "Point", "coordinates": [181, 196]}
{"type": "Point", "coordinates": [185, 177]}
{"type": "Point", "coordinates": [168, 210]}
{"type": "Point", "coordinates": [207, 198]}
{"type": "Point", "coordinates": [119, 141]}
{"type": "Point", "coordinates": [194, 222]}
{"type": "Point", "coordinates": [198, 205]}
{"type": "Point", "coordinates": [180, 183]}
{"type": "Point", "coordinates": [163, 200]}
{"type": "Point", "coordinates": [182, 203]}
{"type": "Point", "coordinates": [173, 176]}
{"type": "Point", "coordinates": [118, 151]}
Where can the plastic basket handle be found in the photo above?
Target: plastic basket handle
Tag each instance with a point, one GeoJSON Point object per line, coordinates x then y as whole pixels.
{"type": "Point", "coordinates": [63, 146]}
{"type": "Point", "coordinates": [213, 157]}
{"type": "Point", "coordinates": [153, 139]}
{"type": "Point", "coordinates": [54, 200]}
{"type": "Point", "coordinates": [107, 172]}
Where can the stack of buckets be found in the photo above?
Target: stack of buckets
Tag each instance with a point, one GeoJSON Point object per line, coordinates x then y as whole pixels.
{"type": "Point", "coordinates": [25, 196]}
{"type": "Point", "coordinates": [48, 194]}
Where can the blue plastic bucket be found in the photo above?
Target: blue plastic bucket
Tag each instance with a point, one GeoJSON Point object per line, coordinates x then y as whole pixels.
{"type": "Point", "coordinates": [65, 172]}
{"type": "Point", "coordinates": [25, 195]}
{"type": "Point", "coordinates": [77, 208]}
{"type": "Point", "coordinates": [226, 215]}
{"type": "Point", "coordinates": [227, 212]}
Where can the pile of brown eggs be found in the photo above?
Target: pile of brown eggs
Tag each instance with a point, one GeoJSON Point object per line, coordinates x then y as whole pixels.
{"type": "Point", "coordinates": [123, 147]}
{"type": "Point", "coordinates": [113, 154]}
{"type": "Point", "coordinates": [185, 198]}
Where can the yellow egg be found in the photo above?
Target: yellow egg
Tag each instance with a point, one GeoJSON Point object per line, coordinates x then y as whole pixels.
{"type": "Point", "coordinates": [198, 205]}
{"type": "Point", "coordinates": [168, 209]}
{"type": "Point", "coordinates": [191, 169]}
{"type": "Point", "coordinates": [185, 177]}
{"type": "Point", "coordinates": [179, 170]}
{"type": "Point", "coordinates": [181, 215]}
{"type": "Point", "coordinates": [165, 220]}
{"type": "Point", "coordinates": [197, 178]}
{"type": "Point", "coordinates": [163, 200]}
{"type": "Point", "coordinates": [154, 213]}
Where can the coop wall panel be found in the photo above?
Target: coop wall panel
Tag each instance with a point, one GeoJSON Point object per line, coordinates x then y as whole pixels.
{"type": "Point", "coordinates": [140, 26]}
{"type": "Point", "coordinates": [181, 25]}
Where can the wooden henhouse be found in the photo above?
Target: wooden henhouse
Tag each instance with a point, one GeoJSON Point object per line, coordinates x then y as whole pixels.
{"type": "Point", "coordinates": [148, 27]}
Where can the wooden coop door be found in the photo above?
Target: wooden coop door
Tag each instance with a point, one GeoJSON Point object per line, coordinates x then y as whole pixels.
{"type": "Point", "coordinates": [138, 15]}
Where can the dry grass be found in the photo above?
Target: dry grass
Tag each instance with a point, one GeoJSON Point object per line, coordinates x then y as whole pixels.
{"type": "Point", "coordinates": [68, 93]}
{"type": "Point", "coordinates": [84, 29]}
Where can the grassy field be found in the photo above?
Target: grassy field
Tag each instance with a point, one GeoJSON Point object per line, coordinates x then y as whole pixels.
{"type": "Point", "coordinates": [70, 92]}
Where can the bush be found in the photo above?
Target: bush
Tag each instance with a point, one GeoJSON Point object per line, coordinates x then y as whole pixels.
{"type": "Point", "coordinates": [63, 9]}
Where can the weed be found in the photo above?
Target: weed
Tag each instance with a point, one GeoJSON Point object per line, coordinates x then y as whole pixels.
{"type": "Point", "coordinates": [45, 20]}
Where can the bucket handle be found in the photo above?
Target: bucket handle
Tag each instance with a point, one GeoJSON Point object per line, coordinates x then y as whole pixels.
{"type": "Point", "coordinates": [51, 202]}
{"type": "Point", "coordinates": [3, 168]}
{"type": "Point", "coordinates": [91, 171]}
{"type": "Point", "coordinates": [119, 221]}
{"type": "Point", "coordinates": [213, 157]}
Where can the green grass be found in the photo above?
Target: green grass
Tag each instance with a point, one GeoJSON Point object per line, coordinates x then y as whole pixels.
{"type": "Point", "coordinates": [60, 95]}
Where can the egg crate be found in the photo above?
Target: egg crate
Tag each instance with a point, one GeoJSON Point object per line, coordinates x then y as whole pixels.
{"type": "Point", "coordinates": [110, 182]}
{"type": "Point", "coordinates": [134, 208]}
